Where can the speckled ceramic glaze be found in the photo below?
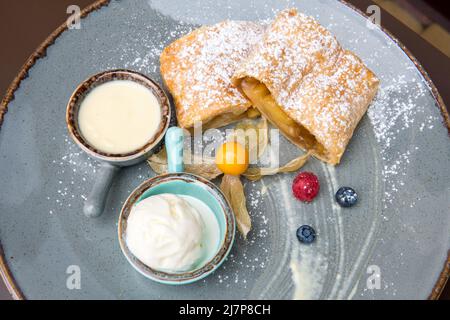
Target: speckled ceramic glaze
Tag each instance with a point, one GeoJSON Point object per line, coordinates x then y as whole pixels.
{"type": "Point", "coordinates": [398, 161]}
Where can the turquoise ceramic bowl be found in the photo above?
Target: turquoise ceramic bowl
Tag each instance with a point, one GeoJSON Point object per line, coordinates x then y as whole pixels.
{"type": "Point", "coordinates": [180, 183]}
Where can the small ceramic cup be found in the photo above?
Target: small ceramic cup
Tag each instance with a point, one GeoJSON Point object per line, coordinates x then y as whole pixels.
{"type": "Point", "coordinates": [111, 163]}
{"type": "Point", "coordinates": [179, 183]}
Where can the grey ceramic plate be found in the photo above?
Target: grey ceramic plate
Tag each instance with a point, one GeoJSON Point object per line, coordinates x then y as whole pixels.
{"type": "Point", "coordinates": [398, 160]}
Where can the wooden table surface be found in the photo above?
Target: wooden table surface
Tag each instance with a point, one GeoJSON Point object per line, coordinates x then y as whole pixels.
{"type": "Point", "coordinates": [24, 24]}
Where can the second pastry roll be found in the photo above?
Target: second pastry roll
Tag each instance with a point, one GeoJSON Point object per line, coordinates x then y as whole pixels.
{"type": "Point", "coordinates": [301, 79]}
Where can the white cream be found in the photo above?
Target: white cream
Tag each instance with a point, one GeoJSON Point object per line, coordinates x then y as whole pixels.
{"type": "Point", "coordinates": [120, 116]}
{"type": "Point", "coordinates": [172, 233]}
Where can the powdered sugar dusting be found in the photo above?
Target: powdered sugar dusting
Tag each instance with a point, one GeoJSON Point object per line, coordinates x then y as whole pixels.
{"type": "Point", "coordinates": [331, 101]}
{"type": "Point", "coordinates": [394, 111]}
{"type": "Point", "coordinates": [243, 260]}
{"type": "Point", "coordinates": [197, 69]}
{"type": "Point", "coordinates": [291, 47]}
{"type": "Point", "coordinates": [71, 166]}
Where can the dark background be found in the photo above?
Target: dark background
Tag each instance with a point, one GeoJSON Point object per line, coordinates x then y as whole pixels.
{"type": "Point", "coordinates": [24, 24]}
{"type": "Point", "coordinates": [440, 6]}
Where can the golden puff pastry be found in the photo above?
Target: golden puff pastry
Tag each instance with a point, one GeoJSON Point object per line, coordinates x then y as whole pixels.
{"type": "Point", "coordinates": [197, 70]}
{"type": "Point", "coordinates": [302, 80]}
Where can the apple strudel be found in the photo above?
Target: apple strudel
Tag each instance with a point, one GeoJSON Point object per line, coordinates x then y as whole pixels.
{"type": "Point", "coordinates": [306, 84]}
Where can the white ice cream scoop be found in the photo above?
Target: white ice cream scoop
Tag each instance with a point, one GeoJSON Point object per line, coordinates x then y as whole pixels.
{"type": "Point", "coordinates": [167, 233]}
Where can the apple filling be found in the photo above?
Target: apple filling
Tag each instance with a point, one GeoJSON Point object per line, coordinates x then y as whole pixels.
{"type": "Point", "coordinates": [262, 99]}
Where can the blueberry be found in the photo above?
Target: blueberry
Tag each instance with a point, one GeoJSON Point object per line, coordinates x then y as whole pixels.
{"type": "Point", "coordinates": [346, 197]}
{"type": "Point", "coordinates": [306, 234]}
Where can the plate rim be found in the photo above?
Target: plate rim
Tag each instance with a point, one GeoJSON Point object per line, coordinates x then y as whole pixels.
{"type": "Point", "coordinates": [41, 52]}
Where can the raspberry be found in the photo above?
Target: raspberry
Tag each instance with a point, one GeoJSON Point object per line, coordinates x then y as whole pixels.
{"type": "Point", "coordinates": [306, 186]}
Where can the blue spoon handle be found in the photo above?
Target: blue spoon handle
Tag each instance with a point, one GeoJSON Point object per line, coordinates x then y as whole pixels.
{"type": "Point", "coordinates": [95, 202]}
{"type": "Point", "coordinates": [174, 147]}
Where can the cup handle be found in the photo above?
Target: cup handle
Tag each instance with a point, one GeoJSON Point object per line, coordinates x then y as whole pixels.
{"type": "Point", "coordinates": [174, 146]}
{"type": "Point", "coordinates": [95, 202]}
